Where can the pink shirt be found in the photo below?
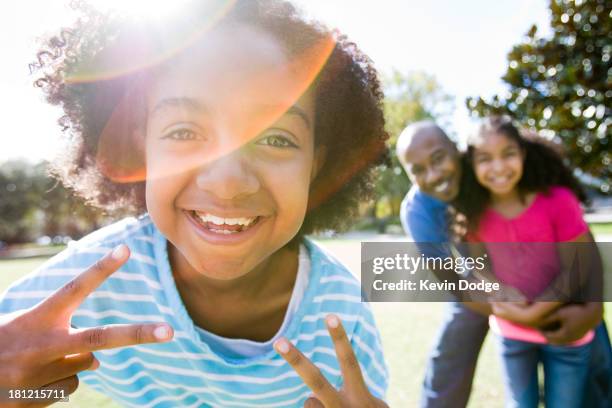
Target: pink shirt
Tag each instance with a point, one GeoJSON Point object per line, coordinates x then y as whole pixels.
{"type": "Point", "coordinates": [528, 259]}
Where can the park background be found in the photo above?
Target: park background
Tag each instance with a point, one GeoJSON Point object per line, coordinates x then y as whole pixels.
{"type": "Point", "coordinates": [545, 62]}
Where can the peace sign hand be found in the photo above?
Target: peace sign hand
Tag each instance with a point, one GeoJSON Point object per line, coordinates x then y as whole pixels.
{"type": "Point", "coordinates": [354, 392]}
{"type": "Point", "coordinates": [39, 349]}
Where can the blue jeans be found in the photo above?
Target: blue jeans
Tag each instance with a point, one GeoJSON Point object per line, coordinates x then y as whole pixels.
{"type": "Point", "coordinates": [452, 362]}
{"type": "Point", "coordinates": [566, 371]}
{"type": "Point", "coordinates": [599, 388]}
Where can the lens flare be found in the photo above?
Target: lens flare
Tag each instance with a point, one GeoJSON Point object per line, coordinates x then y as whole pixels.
{"type": "Point", "coordinates": [246, 77]}
{"type": "Point", "coordinates": [146, 42]}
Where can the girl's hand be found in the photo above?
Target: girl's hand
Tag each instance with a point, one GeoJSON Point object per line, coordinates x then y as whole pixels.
{"type": "Point", "coordinates": [39, 350]}
{"type": "Point", "coordinates": [354, 392]}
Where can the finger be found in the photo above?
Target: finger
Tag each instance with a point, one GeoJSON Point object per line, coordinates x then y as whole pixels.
{"type": "Point", "coordinates": [66, 385]}
{"type": "Point", "coordinates": [312, 402]}
{"type": "Point", "coordinates": [349, 365]}
{"type": "Point", "coordinates": [61, 389]}
{"type": "Point", "coordinates": [497, 307]}
{"type": "Point", "coordinates": [69, 297]}
{"type": "Point", "coordinates": [65, 367]}
{"type": "Point", "coordinates": [555, 337]}
{"type": "Point", "coordinates": [550, 319]}
{"type": "Point", "coordinates": [311, 375]}
{"type": "Point", "coordinates": [113, 336]}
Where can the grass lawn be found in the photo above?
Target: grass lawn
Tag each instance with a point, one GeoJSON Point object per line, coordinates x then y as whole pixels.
{"type": "Point", "coordinates": [407, 330]}
{"type": "Point", "coordinates": [603, 228]}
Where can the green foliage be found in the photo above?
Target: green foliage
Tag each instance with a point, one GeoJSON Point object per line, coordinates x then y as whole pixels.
{"type": "Point", "coordinates": [408, 98]}
{"type": "Point", "coordinates": [32, 204]}
{"type": "Point", "coordinates": [562, 85]}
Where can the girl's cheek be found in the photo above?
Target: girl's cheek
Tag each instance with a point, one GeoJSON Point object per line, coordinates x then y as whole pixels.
{"type": "Point", "coordinates": [516, 164]}
{"type": "Point", "coordinates": [480, 170]}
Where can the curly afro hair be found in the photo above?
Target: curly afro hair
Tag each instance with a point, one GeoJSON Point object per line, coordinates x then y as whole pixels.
{"type": "Point", "coordinates": [348, 107]}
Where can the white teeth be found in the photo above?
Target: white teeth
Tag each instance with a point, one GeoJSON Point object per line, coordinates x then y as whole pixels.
{"type": "Point", "coordinates": [500, 180]}
{"type": "Point", "coordinates": [225, 232]}
{"type": "Point", "coordinates": [441, 187]}
{"type": "Point", "coordinates": [204, 217]}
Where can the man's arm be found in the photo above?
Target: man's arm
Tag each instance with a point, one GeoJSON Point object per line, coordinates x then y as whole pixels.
{"type": "Point", "coordinates": [580, 265]}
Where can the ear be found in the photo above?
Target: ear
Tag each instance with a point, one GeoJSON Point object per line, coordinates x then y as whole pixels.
{"type": "Point", "coordinates": [320, 154]}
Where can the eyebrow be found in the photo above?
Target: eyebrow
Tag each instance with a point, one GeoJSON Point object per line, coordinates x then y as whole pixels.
{"type": "Point", "coordinates": [296, 110]}
{"type": "Point", "coordinates": [195, 105]}
{"type": "Point", "coordinates": [179, 102]}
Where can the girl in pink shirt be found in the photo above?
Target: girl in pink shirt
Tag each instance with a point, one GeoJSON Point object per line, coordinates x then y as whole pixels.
{"type": "Point", "coordinates": [521, 200]}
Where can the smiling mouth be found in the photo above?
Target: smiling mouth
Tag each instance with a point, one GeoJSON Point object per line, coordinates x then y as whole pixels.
{"type": "Point", "coordinates": [442, 187]}
{"type": "Point", "coordinates": [499, 180]}
{"type": "Point", "coordinates": [223, 225]}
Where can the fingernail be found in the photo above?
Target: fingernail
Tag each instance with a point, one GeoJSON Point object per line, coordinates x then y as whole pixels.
{"type": "Point", "coordinates": [119, 252]}
{"type": "Point", "coordinates": [94, 365]}
{"type": "Point", "coordinates": [161, 332]}
{"type": "Point", "coordinates": [333, 322]}
{"type": "Point", "coordinates": [282, 346]}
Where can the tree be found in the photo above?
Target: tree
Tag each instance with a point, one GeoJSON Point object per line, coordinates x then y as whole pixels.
{"type": "Point", "coordinates": [408, 98]}
{"type": "Point", "coordinates": [561, 85]}
{"type": "Point", "coordinates": [17, 196]}
{"type": "Point", "coordinates": [33, 204]}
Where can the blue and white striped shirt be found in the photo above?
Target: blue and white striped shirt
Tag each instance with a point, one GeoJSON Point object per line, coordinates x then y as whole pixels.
{"type": "Point", "coordinates": [186, 372]}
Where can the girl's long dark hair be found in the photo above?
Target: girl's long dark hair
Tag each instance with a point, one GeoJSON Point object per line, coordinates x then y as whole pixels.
{"type": "Point", "coordinates": [544, 167]}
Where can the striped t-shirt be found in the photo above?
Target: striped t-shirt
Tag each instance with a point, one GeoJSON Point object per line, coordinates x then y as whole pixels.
{"type": "Point", "coordinates": [186, 372]}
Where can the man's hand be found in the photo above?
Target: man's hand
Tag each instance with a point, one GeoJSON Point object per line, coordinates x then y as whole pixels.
{"type": "Point", "coordinates": [516, 312]}
{"type": "Point", "coordinates": [571, 322]}
{"type": "Point", "coordinates": [526, 314]}
{"type": "Point", "coordinates": [39, 349]}
{"type": "Point", "coordinates": [354, 392]}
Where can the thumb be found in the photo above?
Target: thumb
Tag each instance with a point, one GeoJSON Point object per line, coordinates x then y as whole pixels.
{"type": "Point", "coordinates": [313, 402]}
{"type": "Point", "coordinates": [555, 337]}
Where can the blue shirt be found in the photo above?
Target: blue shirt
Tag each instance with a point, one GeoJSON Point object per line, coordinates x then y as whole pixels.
{"type": "Point", "coordinates": [186, 372]}
{"type": "Point", "coordinates": [424, 217]}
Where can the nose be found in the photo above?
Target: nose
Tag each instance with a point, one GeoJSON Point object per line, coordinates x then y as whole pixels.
{"type": "Point", "coordinates": [228, 177]}
{"type": "Point", "coordinates": [432, 176]}
{"type": "Point", "coordinates": [497, 165]}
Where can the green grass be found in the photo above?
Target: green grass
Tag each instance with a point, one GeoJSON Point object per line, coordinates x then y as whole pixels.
{"type": "Point", "coordinates": [407, 330]}
{"type": "Point", "coordinates": [599, 229]}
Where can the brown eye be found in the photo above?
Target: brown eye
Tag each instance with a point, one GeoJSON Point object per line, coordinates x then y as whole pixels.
{"type": "Point", "coordinates": [183, 134]}
{"type": "Point", "coordinates": [437, 159]}
{"type": "Point", "coordinates": [416, 170]}
{"type": "Point", "coordinates": [277, 140]}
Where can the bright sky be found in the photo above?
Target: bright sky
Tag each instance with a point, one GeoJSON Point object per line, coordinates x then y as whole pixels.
{"type": "Point", "coordinates": [462, 43]}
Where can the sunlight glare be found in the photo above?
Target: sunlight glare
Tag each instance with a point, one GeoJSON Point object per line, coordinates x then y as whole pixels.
{"type": "Point", "coordinates": [145, 9]}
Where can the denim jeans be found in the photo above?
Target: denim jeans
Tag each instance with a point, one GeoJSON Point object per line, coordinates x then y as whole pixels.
{"type": "Point", "coordinates": [599, 388]}
{"type": "Point", "coordinates": [452, 362]}
{"type": "Point", "coordinates": [566, 370]}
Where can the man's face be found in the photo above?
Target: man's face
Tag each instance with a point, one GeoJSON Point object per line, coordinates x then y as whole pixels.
{"type": "Point", "coordinates": [432, 163]}
{"type": "Point", "coordinates": [230, 157]}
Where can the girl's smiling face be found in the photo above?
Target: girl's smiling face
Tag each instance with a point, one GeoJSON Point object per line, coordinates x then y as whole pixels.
{"type": "Point", "coordinates": [498, 163]}
{"type": "Point", "coordinates": [230, 154]}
